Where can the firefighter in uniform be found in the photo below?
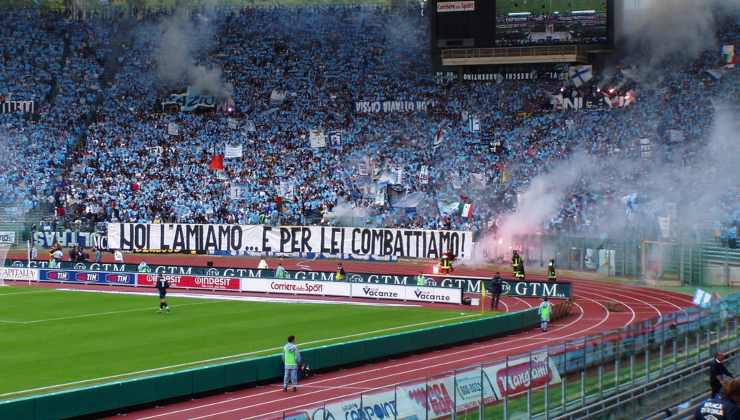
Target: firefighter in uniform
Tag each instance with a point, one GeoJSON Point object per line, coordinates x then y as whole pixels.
{"type": "Point", "coordinates": [445, 263]}
{"type": "Point", "coordinates": [551, 271]}
{"type": "Point", "coordinates": [517, 265]}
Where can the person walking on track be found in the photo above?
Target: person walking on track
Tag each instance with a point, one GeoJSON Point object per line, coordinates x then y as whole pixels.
{"type": "Point", "coordinates": [291, 359]}
{"type": "Point", "coordinates": [496, 289]}
{"type": "Point", "coordinates": [544, 310]}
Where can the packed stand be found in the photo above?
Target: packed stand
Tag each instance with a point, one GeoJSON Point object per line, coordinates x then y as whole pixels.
{"type": "Point", "coordinates": [294, 70]}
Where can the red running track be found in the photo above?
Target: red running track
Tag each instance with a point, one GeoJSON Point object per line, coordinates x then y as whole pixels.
{"type": "Point", "coordinates": [594, 299]}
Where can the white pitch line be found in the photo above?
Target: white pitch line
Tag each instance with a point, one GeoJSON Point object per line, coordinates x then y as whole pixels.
{"type": "Point", "coordinates": [233, 356]}
{"type": "Point", "coordinates": [148, 308]}
{"type": "Point", "coordinates": [241, 298]}
{"type": "Point", "coordinates": [24, 293]}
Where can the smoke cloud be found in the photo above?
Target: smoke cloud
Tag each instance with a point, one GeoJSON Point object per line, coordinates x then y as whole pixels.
{"type": "Point", "coordinates": [691, 194]}
{"type": "Point", "coordinates": [679, 28]}
{"type": "Point", "coordinates": [183, 39]}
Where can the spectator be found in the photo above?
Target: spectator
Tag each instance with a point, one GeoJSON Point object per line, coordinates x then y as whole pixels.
{"type": "Point", "coordinates": [723, 406]}
{"type": "Point", "coordinates": [143, 268]}
{"type": "Point", "coordinates": [280, 272]}
{"type": "Point", "coordinates": [718, 373]}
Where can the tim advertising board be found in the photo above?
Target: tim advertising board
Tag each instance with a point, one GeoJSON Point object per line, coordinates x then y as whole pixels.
{"type": "Point", "coordinates": [295, 287]}
{"type": "Point", "coordinates": [87, 277]}
{"type": "Point", "coordinates": [190, 282]}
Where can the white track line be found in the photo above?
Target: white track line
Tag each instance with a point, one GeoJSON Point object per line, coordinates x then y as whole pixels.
{"type": "Point", "coordinates": [632, 318]}
{"type": "Point", "coordinates": [523, 301]}
{"type": "Point", "coordinates": [653, 307]}
{"type": "Point", "coordinates": [542, 339]}
{"type": "Point", "coordinates": [384, 386]}
{"type": "Point", "coordinates": [429, 360]}
{"type": "Point", "coordinates": [233, 356]}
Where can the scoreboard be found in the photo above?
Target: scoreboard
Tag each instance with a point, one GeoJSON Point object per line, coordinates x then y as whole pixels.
{"type": "Point", "coordinates": [521, 23]}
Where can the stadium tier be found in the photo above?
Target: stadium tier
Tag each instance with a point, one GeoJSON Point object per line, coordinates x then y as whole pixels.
{"type": "Point", "coordinates": [323, 115]}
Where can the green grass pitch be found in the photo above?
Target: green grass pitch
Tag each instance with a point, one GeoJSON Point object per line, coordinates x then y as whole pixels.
{"type": "Point", "coordinates": [539, 7]}
{"type": "Point", "coordinates": [52, 340]}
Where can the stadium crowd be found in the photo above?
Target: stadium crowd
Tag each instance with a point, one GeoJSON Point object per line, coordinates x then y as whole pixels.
{"type": "Point", "coordinates": [100, 148]}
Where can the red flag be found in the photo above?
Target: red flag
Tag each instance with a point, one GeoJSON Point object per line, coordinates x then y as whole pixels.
{"type": "Point", "coordinates": [217, 163]}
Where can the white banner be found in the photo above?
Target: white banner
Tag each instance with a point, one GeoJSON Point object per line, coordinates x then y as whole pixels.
{"type": "Point", "coordinates": [417, 294]}
{"type": "Point", "coordinates": [355, 290]}
{"type": "Point", "coordinates": [370, 107]}
{"type": "Point", "coordinates": [173, 129]}
{"type": "Point", "coordinates": [455, 6]}
{"type": "Point", "coordinates": [19, 273]}
{"type": "Point", "coordinates": [399, 243]}
{"type": "Point", "coordinates": [235, 193]}
{"type": "Point", "coordinates": [7, 237]}
{"type": "Point", "coordinates": [9, 107]}
{"type": "Point", "coordinates": [233, 151]}
{"type": "Point", "coordinates": [296, 287]}
{"type": "Point", "coordinates": [317, 138]}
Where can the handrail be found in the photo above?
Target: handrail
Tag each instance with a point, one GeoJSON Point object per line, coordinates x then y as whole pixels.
{"type": "Point", "coordinates": [603, 405]}
{"type": "Point", "coordinates": [588, 356]}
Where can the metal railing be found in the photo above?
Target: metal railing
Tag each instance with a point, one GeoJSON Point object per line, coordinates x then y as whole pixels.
{"type": "Point", "coordinates": [511, 52]}
{"type": "Point", "coordinates": [551, 381]}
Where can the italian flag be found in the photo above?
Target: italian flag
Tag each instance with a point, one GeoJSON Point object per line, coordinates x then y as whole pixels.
{"type": "Point", "coordinates": [466, 210]}
{"type": "Point", "coordinates": [728, 56]}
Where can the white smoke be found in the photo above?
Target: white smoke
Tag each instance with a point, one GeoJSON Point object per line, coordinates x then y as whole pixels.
{"type": "Point", "coordinates": [183, 39]}
{"type": "Point", "coordinates": [694, 190]}
{"type": "Point", "coordinates": [677, 28]}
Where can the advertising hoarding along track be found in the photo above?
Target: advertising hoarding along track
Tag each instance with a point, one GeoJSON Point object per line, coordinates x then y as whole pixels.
{"type": "Point", "coordinates": [558, 290]}
{"type": "Point", "coordinates": [260, 285]}
{"type": "Point", "coordinates": [190, 282]}
{"type": "Point", "coordinates": [439, 397]}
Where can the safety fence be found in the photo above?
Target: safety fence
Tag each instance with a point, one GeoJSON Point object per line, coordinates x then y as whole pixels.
{"type": "Point", "coordinates": [678, 392]}
{"type": "Point", "coordinates": [550, 381]}
{"type": "Point", "coordinates": [701, 260]}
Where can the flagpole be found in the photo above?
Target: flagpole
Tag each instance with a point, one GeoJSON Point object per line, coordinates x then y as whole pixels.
{"type": "Point", "coordinates": [482, 296]}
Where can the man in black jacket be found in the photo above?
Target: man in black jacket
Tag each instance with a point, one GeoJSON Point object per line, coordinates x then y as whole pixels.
{"type": "Point", "coordinates": [496, 288]}
{"type": "Point", "coordinates": [162, 286]}
{"type": "Point", "coordinates": [718, 373]}
{"type": "Point", "coordinates": [723, 406]}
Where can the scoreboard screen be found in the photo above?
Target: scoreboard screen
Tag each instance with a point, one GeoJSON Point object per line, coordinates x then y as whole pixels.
{"type": "Point", "coordinates": [523, 23]}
